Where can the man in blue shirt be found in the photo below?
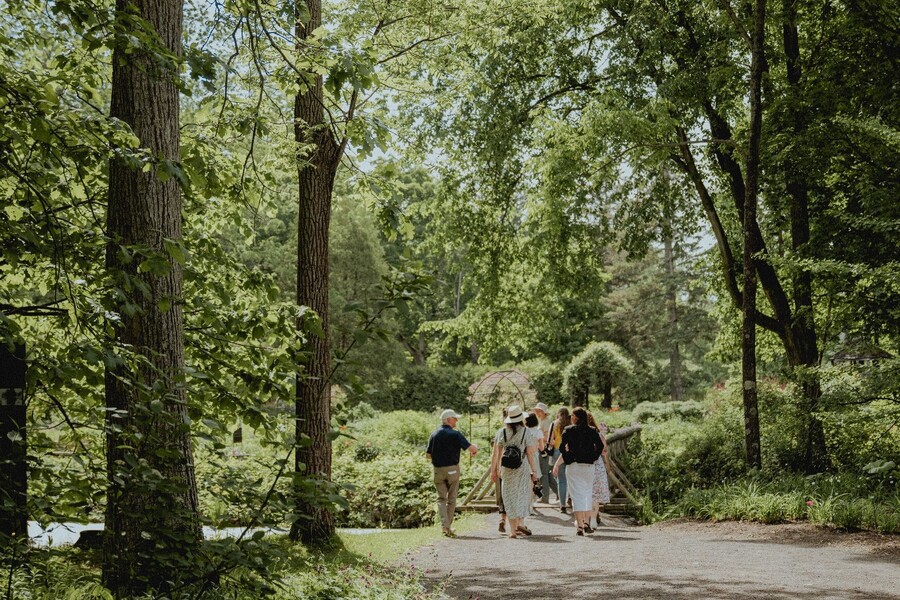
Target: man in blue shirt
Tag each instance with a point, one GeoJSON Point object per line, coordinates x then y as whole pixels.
{"type": "Point", "coordinates": [443, 450]}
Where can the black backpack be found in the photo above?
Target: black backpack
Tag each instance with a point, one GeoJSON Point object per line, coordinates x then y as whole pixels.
{"type": "Point", "coordinates": [512, 455]}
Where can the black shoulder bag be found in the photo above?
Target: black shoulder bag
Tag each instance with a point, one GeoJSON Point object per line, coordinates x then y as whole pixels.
{"type": "Point", "coordinates": [512, 455]}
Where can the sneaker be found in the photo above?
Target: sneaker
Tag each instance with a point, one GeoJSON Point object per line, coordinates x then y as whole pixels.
{"type": "Point", "coordinates": [564, 510]}
{"type": "Point", "coordinates": [502, 527]}
{"type": "Point", "coordinates": [523, 529]}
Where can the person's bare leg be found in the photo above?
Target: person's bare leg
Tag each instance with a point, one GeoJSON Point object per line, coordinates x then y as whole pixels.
{"type": "Point", "coordinates": [513, 527]}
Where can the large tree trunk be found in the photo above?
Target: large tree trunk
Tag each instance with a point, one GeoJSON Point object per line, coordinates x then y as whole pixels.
{"type": "Point", "coordinates": [316, 183]}
{"type": "Point", "coordinates": [677, 389]}
{"type": "Point", "coordinates": [752, 455]}
{"type": "Point", "coordinates": [152, 524]}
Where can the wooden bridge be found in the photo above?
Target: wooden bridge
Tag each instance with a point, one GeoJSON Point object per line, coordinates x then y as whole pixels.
{"type": "Point", "coordinates": [624, 496]}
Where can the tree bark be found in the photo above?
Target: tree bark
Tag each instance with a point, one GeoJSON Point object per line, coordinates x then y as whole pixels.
{"type": "Point", "coordinates": [152, 524]}
{"type": "Point", "coordinates": [752, 454]}
{"type": "Point", "coordinates": [677, 389]}
{"type": "Point", "coordinates": [607, 394]}
{"type": "Point", "coordinates": [313, 403]}
{"type": "Point", "coordinates": [581, 395]}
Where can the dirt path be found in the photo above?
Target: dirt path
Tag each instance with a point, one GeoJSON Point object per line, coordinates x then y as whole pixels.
{"type": "Point", "coordinates": [678, 561]}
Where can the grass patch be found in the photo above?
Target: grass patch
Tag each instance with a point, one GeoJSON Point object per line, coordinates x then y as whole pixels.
{"type": "Point", "coordinates": [388, 546]}
{"type": "Point", "coordinates": [832, 501]}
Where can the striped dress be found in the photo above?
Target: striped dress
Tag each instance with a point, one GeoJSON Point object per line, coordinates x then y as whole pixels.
{"type": "Point", "coordinates": [516, 482]}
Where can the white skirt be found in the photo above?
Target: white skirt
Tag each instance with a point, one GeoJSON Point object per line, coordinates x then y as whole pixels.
{"type": "Point", "coordinates": [580, 478]}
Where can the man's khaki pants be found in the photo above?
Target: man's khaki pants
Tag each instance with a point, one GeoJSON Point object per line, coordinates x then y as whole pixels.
{"type": "Point", "coordinates": [446, 479]}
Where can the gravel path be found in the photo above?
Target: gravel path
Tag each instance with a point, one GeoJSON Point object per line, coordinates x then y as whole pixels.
{"type": "Point", "coordinates": [677, 560]}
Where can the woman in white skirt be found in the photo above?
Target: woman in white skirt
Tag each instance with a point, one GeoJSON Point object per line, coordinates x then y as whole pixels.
{"type": "Point", "coordinates": [581, 447]}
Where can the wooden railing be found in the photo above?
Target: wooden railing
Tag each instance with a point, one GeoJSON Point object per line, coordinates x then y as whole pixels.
{"type": "Point", "coordinates": [617, 443]}
{"type": "Point", "coordinates": [482, 496]}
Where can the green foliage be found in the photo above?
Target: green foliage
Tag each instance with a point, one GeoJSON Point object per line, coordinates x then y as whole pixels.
{"type": "Point", "coordinates": [426, 389]}
{"type": "Point", "coordinates": [389, 491]}
{"type": "Point", "coordinates": [393, 487]}
{"type": "Point", "coordinates": [846, 502]}
{"type": "Point", "coordinates": [546, 378]}
{"type": "Point", "coordinates": [598, 365]}
{"type": "Point", "coordinates": [646, 412]}
{"type": "Point", "coordinates": [861, 406]}
{"type": "Point", "coordinates": [324, 581]}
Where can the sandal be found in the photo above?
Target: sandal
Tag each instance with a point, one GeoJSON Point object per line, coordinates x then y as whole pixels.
{"type": "Point", "coordinates": [580, 531]}
{"type": "Point", "coordinates": [588, 529]}
{"type": "Point", "coordinates": [523, 529]}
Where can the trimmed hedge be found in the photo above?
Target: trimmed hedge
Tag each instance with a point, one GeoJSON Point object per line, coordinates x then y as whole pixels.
{"type": "Point", "coordinates": [426, 389]}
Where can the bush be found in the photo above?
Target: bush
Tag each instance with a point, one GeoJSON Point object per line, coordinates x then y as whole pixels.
{"type": "Point", "coordinates": [426, 389]}
{"type": "Point", "coordinates": [843, 501]}
{"type": "Point", "coordinates": [598, 365]}
{"type": "Point", "coordinates": [396, 432]}
{"type": "Point", "coordinates": [661, 411]}
{"type": "Point", "coordinates": [395, 491]}
{"type": "Point", "coordinates": [861, 406]}
{"type": "Point", "coordinates": [546, 379]}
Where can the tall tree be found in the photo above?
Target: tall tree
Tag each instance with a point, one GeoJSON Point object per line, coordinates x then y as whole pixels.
{"type": "Point", "coordinates": [752, 454]}
{"type": "Point", "coordinates": [152, 522]}
{"type": "Point", "coordinates": [677, 386]}
{"type": "Point", "coordinates": [315, 177]}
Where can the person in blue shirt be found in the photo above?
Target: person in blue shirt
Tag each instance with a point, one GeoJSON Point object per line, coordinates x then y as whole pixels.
{"type": "Point", "coordinates": [444, 447]}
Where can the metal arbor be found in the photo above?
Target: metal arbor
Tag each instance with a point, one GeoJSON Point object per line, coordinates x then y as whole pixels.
{"type": "Point", "coordinates": [499, 388]}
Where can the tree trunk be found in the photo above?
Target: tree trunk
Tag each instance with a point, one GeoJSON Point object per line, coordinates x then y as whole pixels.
{"type": "Point", "coordinates": [13, 446]}
{"type": "Point", "coordinates": [419, 357]}
{"type": "Point", "coordinates": [677, 390]}
{"type": "Point", "coordinates": [807, 359]}
{"type": "Point", "coordinates": [752, 455]}
{"type": "Point", "coordinates": [607, 394]}
{"type": "Point", "coordinates": [580, 395]}
{"type": "Point", "coordinates": [152, 524]}
{"type": "Point", "coordinates": [313, 404]}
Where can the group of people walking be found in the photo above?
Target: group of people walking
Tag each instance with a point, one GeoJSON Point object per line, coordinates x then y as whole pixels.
{"type": "Point", "coordinates": [532, 456]}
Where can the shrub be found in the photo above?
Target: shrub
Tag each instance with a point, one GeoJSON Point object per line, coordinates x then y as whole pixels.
{"type": "Point", "coordinates": [400, 431]}
{"type": "Point", "coordinates": [834, 500]}
{"type": "Point", "coordinates": [596, 367]}
{"type": "Point", "coordinates": [395, 491]}
{"type": "Point", "coordinates": [426, 389]}
{"type": "Point", "coordinates": [660, 411]}
{"type": "Point", "coordinates": [546, 379]}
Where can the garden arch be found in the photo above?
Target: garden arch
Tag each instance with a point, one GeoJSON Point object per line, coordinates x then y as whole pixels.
{"type": "Point", "coordinates": [597, 367]}
{"type": "Point", "coordinates": [497, 389]}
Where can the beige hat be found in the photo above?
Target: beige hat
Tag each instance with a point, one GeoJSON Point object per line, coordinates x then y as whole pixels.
{"type": "Point", "coordinates": [514, 414]}
{"type": "Point", "coordinates": [543, 407]}
{"type": "Point", "coordinates": [449, 414]}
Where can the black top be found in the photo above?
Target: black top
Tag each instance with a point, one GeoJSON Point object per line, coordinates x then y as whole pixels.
{"type": "Point", "coordinates": [581, 445]}
{"type": "Point", "coordinates": [444, 446]}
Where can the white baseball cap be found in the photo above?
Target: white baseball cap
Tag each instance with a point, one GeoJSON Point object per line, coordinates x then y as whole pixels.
{"type": "Point", "coordinates": [449, 414]}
